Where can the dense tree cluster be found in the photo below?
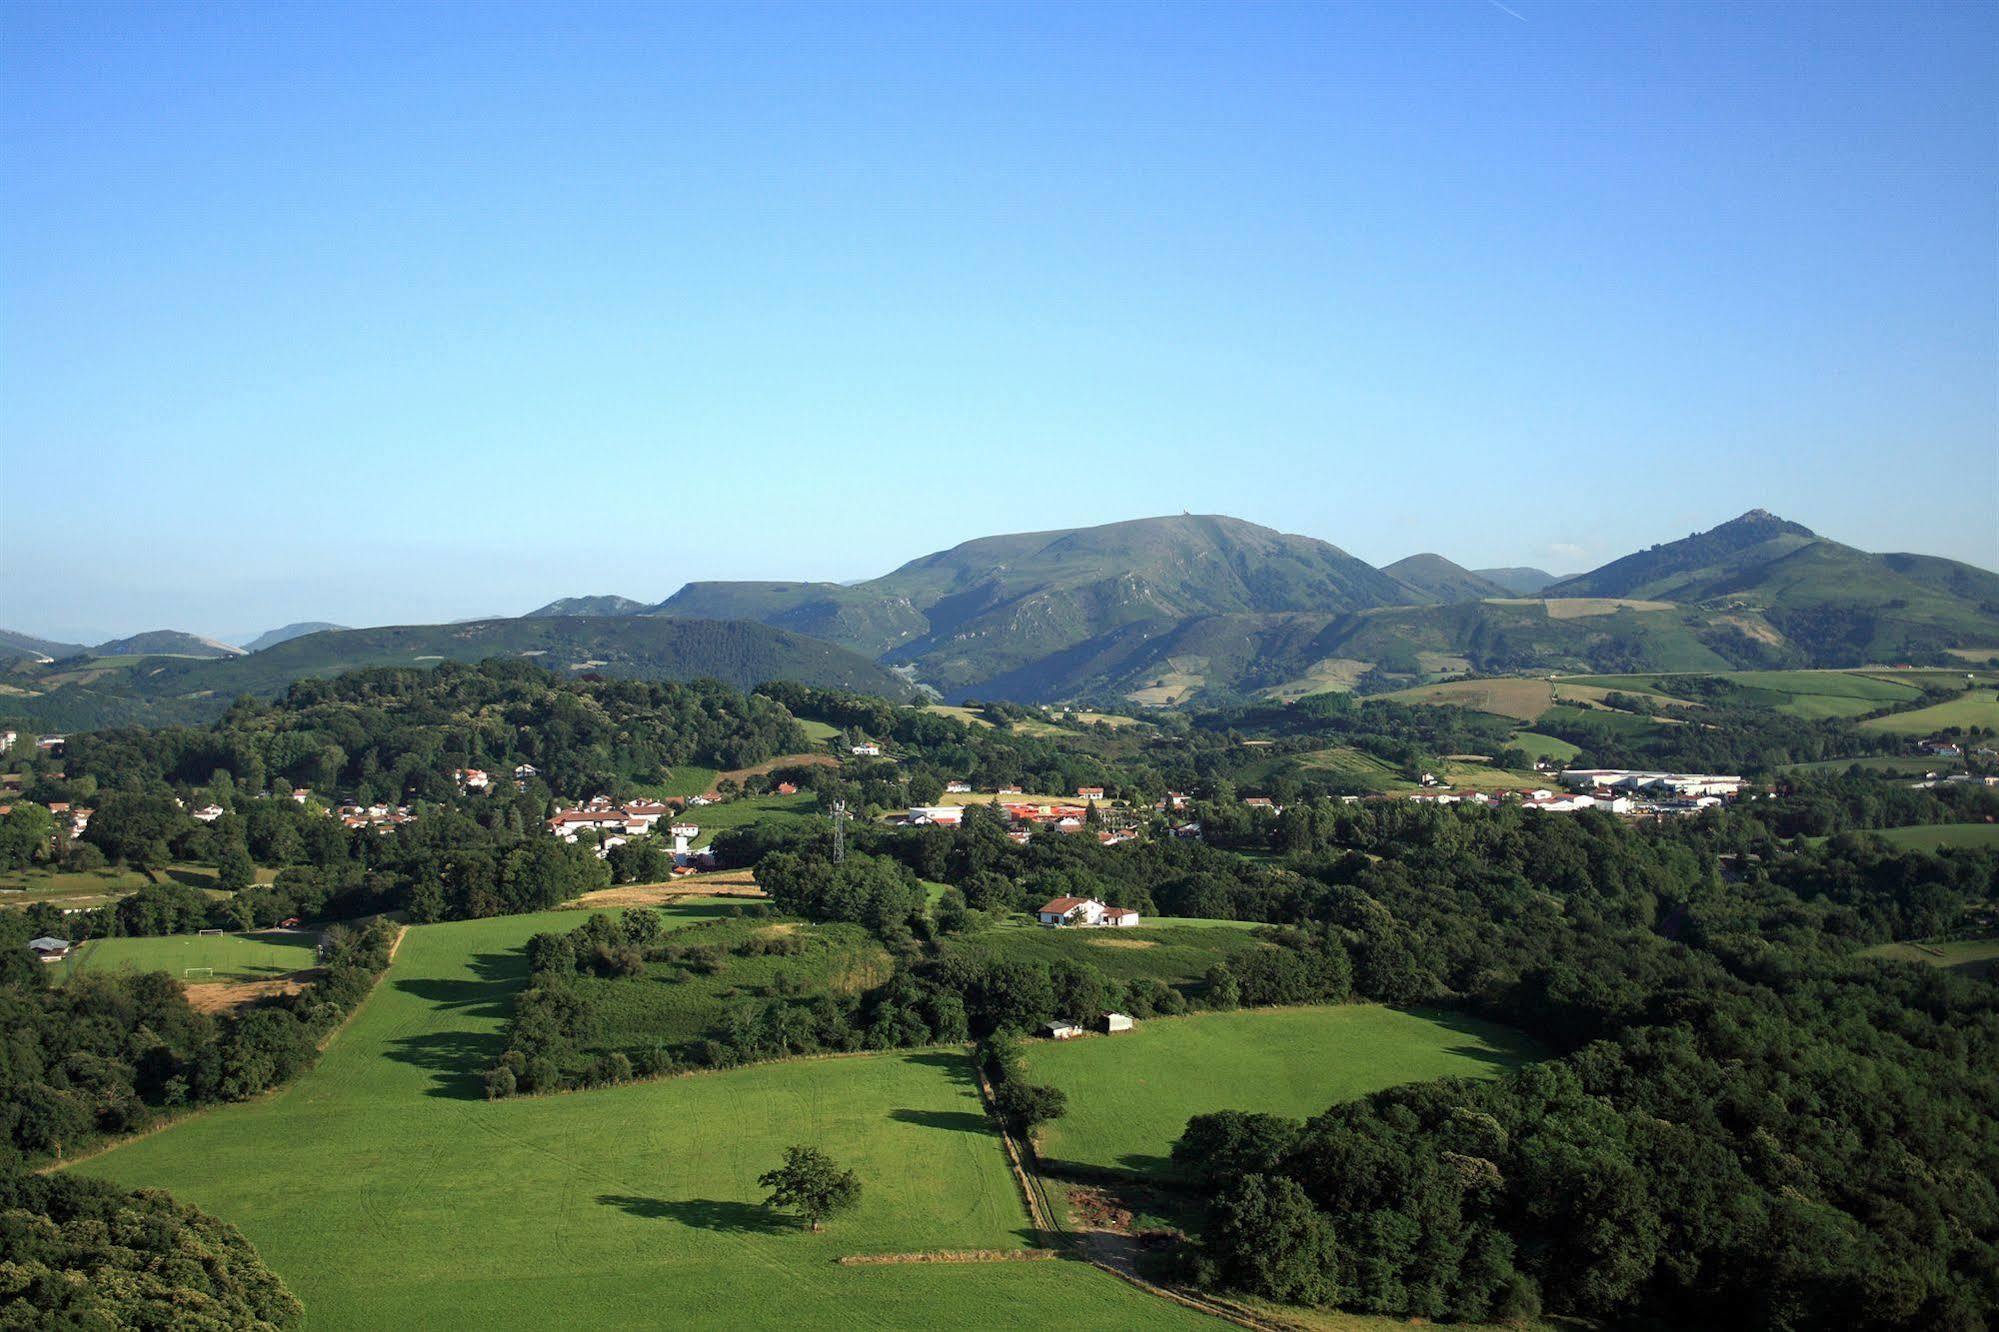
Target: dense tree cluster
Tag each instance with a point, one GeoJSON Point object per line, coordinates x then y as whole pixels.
{"type": "Point", "coordinates": [1750, 1126]}
{"type": "Point", "coordinates": [84, 1253]}
{"type": "Point", "coordinates": [108, 1053]}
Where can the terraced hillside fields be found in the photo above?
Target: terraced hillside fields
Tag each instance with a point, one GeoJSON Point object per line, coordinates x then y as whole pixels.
{"type": "Point", "coordinates": [387, 1193]}
{"type": "Point", "coordinates": [1130, 1095]}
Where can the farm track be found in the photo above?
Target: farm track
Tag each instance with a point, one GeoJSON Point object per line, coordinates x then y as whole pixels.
{"type": "Point", "coordinates": [1107, 1250]}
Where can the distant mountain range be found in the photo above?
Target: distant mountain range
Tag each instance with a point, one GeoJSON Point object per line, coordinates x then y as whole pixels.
{"type": "Point", "coordinates": [273, 637]}
{"type": "Point", "coordinates": [87, 692]}
{"type": "Point", "coordinates": [1154, 611]}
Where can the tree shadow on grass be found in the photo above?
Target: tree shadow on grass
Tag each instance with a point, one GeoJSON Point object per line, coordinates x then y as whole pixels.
{"type": "Point", "coordinates": [727, 1218]}
{"type": "Point", "coordinates": [957, 1067]}
{"type": "Point", "coordinates": [461, 1057]}
{"type": "Point", "coordinates": [959, 1121]}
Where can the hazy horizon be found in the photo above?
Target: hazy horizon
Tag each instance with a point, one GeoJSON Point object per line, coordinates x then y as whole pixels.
{"type": "Point", "coordinates": [382, 317]}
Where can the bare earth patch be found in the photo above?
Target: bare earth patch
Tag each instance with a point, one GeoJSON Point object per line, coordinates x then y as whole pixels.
{"type": "Point", "coordinates": [1124, 943]}
{"type": "Point", "coordinates": [772, 765]}
{"type": "Point", "coordinates": [723, 883]}
{"type": "Point", "coordinates": [226, 996]}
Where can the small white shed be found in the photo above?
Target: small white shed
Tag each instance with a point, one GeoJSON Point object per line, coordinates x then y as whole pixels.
{"type": "Point", "coordinates": [1117, 1022]}
{"type": "Point", "coordinates": [1060, 1031]}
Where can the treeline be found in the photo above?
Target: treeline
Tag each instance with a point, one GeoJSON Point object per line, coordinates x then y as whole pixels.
{"type": "Point", "coordinates": [396, 734]}
{"type": "Point", "coordinates": [109, 1053]}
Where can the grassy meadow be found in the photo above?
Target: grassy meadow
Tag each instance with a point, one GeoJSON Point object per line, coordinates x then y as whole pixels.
{"type": "Point", "coordinates": [1178, 953]}
{"type": "Point", "coordinates": [388, 1193]}
{"type": "Point", "coordinates": [1974, 707]}
{"type": "Point", "coordinates": [1130, 1095]}
{"type": "Point", "coordinates": [92, 887]}
{"type": "Point", "coordinates": [1937, 836]}
{"type": "Point", "coordinates": [1975, 957]}
{"type": "Point", "coordinates": [712, 819]}
{"type": "Point", "coordinates": [232, 957]}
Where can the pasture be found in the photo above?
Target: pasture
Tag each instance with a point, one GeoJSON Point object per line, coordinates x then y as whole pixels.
{"type": "Point", "coordinates": [387, 1193]}
{"type": "Point", "coordinates": [1130, 1095]}
{"type": "Point", "coordinates": [1974, 957]}
{"type": "Point", "coordinates": [94, 887]}
{"type": "Point", "coordinates": [1881, 765]}
{"type": "Point", "coordinates": [1937, 836]}
{"type": "Point", "coordinates": [712, 819]}
{"type": "Point", "coordinates": [1974, 707]}
{"type": "Point", "coordinates": [679, 783]}
{"type": "Point", "coordinates": [231, 957]}
{"type": "Point", "coordinates": [1548, 747]}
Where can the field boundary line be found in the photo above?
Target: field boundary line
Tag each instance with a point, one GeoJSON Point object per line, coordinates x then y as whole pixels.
{"type": "Point", "coordinates": [950, 1256]}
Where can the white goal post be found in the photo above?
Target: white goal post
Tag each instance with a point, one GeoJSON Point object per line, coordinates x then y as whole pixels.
{"type": "Point", "coordinates": [216, 933]}
{"type": "Point", "coordinates": [186, 972]}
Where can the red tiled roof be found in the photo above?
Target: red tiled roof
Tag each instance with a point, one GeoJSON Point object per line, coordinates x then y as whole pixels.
{"type": "Point", "coordinates": [1062, 906]}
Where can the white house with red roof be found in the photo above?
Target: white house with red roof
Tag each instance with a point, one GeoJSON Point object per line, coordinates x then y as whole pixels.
{"type": "Point", "coordinates": [1063, 911]}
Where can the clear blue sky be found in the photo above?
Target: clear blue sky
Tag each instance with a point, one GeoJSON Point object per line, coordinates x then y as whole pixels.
{"type": "Point", "coordinates": [388, 313]}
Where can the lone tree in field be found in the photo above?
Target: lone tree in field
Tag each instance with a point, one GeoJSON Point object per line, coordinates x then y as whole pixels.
{"type": "Point", "coordinates": [810, 1184]}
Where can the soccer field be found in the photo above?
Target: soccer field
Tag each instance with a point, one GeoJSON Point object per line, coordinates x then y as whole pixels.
{"type": "Point", "coordinates": [388, 1193]}
{"type": "Point", "coordinates": [217, 957]}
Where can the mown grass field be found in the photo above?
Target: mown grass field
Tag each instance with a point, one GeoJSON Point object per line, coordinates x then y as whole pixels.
{"type": "Point", "coordinates": [1808, 694]}
{"type": "Point", "coordinates": [1936, 836]}
{"type": "Point", "coordinates": [1975, 707]}
{"type": "Point", "coordinates": [387, 1193]}
{"type": "Point", "coordinates": [1547, 747]}
{"type": "Point", "coordinates": [1130, 1095]}
{"type": "Point", "coordinates": [1976, 957]}
{"type": "Point", "coordinates": [230, 956]}
{"type": "Point", "coordinates": [1176, 952]}
{"type": "Point", "coordinates": [89, 887]}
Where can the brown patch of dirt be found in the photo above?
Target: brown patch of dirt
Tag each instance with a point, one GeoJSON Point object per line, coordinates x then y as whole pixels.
{"type": "Point", "coordinates": [726, 883]}
{"type": "Point", "coordinates": [226, 996]}
{"type": "Point", "coordinates": [1124, 943]}
{"type": "Point", "coordinates": [1097, 1210]}
{"type": "Point", "coordinates": [783, 927]}
{"type": "Point", "coordinates": [772, 765]}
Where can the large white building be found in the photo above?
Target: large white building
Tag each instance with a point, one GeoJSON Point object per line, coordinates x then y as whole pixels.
{"type": "Point", "coordinates": [1682, 784]}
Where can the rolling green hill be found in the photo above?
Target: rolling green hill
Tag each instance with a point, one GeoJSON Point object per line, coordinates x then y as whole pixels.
{"type": "Point", "coordinates": [1812, 601]}
{"type": "Point", "coordinates": [1519, 581]}
{"type": "Point", "coordinates": [170, 689]}
{"type": "Point", "coordinates": [1431, 577]}
{"type": "Point", "coordinates": [1003, 606]}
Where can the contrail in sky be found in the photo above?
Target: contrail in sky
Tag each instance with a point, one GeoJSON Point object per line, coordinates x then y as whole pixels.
{"type": "Point", "coordinates": [1504, 10]}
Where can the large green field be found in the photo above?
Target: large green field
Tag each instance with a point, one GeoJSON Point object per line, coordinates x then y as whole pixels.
{"type": "Point", "coordinates": [229, 956]}
{"type": "Point", "coordinates": [1974, 707]}
{"type": "Point", "coordinates": [1130, 1095]}
{"type": "Point", "coordinates": [1974, 957]}
{"type": "Point", "coordinates": [387, 1193]}
{"type": "Point", "coordinates": [91, 887]}
{"type": "Point", "coordinates": [1936, 836]}
{"type": "Point", "coordinates": [1808, 694]}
